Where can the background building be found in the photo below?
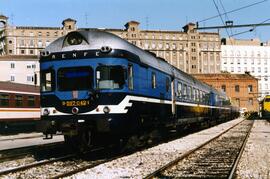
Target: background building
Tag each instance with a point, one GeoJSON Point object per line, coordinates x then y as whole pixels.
{"type": "Point", "coordinates": [19, 69]}
{"type": "Point", "coordinates": [188, 50]}
{"type": "Point", "coordinates": [240, 56]}
{"type": "Point", "coordinates": [242, 89]}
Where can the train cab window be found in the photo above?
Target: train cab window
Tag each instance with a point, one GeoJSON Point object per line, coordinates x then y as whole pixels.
{"type": "Point", "coordinates": [179, 89]}
{"type": "Point", "coordinates": [110, 77]}
{"type": "Point", "coordinates": [130, 77]}
{"type": "Point", "coordinates": [167, 84]}
{"type": "Point", "coordinates": [76, 78]}
{"type": "Point", "coordinates": [4, 100]}
{"type": "Point", "coordinates": [47, 81]}
{"type": "Point", "coordinates": [31, 101]}
{"type": "Point", "coordinates": [18, 100]}
{"type": "Point", "coordinates": [154, 84]}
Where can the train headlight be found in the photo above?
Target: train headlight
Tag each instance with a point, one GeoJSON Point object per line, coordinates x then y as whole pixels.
{"type": "Point", "coordinates": [106, 110]}
{"type": "Point", "coordinates": [75, 110]}
{"type": "Point", "coordinates": [46, 112]}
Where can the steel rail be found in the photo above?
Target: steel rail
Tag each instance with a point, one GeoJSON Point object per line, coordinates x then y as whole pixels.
{"type": "Point", "coordinates": [172, 163]}
{"type": "Point", "coordinates": [237, 160]}
{"type": "Point", "coordinates": [35, 164]}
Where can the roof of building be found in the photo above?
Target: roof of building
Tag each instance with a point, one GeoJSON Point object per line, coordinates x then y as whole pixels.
{"type": "Point", "coordinates": [68, 19]}
{"type": "Point", "coordinates": [225, 76]}
{"type": "Point", "coordinates": [17, 87]}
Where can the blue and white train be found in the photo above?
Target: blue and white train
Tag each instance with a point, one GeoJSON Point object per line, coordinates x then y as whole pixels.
{"type": "Point", "coordinates": [96, 86]}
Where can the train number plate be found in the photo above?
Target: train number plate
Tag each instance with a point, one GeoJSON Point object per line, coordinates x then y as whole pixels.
{"type": "Point", "coordinates": [75, 103]}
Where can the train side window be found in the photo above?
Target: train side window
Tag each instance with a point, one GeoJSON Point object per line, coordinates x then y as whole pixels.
{"type": "Point", "coordinates": [154, 84]}
{"type": "Point", "coordinates": [189, 92]}
{"type": "Point", "coordinates": [4, 100]}
{"type": "Point", "coordinates": [201, 96]}
{"type": "Point", "coordinates": [19, 100]}
{"type": "Point", "coordinates": [47, 81]}
{"type": "Point", "coordinates": [179, 89]}
{"type": "Point", "coordinates": [195, 94]}
{"type": "Point", "coordinates": [185, 91]}
{"type": "Point", "coordinates": [167, 84]}
{"type": "Point", "coordinates": [130, 77]}
{"type": "Point", "coordinates": [111, 77]}
{"type": "Point", "coordinates": [31, 101]}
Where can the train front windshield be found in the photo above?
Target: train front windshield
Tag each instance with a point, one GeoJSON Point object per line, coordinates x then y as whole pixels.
{"type": "Point", "coordinates": [78, 78]}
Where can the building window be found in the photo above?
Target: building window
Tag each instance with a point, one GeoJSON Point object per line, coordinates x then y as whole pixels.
{"type": "Point", "coordinates": [12, 78]}
{"type": "Point", "coordinates": [250, 88]}
{"type": "Point", "coordinates": [18, 100]}
{"type": "Point", "coordinates": [22, 43]}
{"type": "Point", "coordinates": [55, 33]}
{"type": "Point", "coordinates": [237, 101]}
{"type": "Point", "coordinates": [193, 66]}
{"type": "Point", "coordinates": [31, 52]}
{"type": "Point", "coordinates": [12, 65]}
{"type": "Point", "coordinates": [31, 43]}
{"type": "Point", "coordinates": [236, 87]}
{"type": "Point", "coordinates": [28, 66]}
{"type": "Point", "coordinates": [39, 43]}
{"type": "Point", "coordinates": [29, 78]}
{"type": "Point", "coordinates": [22, 52]}
{"type": "Point", "coordinates": [10, 51]}
{"type": "Point", "coordinates": [223, 88]}
{"type": "Point", "coordinates": [33, 66]}
{"type": "Point", "coordinates": [10, 41]}
{"type": "Point", "coordinates": [47, 42]}
{"type": "Point", "coordinates": [250, 101]}
{"type": "Point", "coordinates": [154, 85]}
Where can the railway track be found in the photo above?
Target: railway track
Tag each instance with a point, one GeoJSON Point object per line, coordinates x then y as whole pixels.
{"type": "Point", "coordinates": [217, 158]}
{"type": "Point", "coordinates": [11, 154]}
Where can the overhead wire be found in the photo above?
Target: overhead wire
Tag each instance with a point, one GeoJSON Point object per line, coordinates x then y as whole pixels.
{"type": "Point", "coordinates": [222, 19]}
{"type": "Point", "coordinates": [234, 10]}
{"type": "Point", "coordinates": [225, 13]}
{"type": "Point", "coordinates": [250, 30]}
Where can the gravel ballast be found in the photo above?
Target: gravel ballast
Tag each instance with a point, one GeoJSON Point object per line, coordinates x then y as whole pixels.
{"type": "Point", "coordinates": [255, 160]}
{"type": "Point", "coordinates": [140, 164]}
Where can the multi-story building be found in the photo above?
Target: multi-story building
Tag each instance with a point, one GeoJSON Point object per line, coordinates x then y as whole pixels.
{"type": "Point", "coordinates": [189, 50]}
{"type": "Point", "coordinates": [242, 89]}
{"type": "Point", "coordinates": [240, 56]}
{"type": "Point", "coordinates": [20, 69]}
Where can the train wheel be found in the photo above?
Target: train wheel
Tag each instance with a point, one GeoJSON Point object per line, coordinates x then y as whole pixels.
{"type": "Point", "coordinates": [86, 138]}
{"type": "Point", "coordinates": [72, 141]}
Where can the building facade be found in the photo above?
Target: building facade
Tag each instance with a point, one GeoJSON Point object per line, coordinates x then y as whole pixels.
{"type": "Point", "coordinates": [242, 89]}
{"type": "Point", "coordinates": [188, 50]}
{"type": "Point", "coordinates": [240, 56]}
{"type": "Point", "coordinates": [20, 69]}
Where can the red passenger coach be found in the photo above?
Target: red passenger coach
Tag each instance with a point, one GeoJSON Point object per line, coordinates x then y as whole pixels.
{"type": "Point", "coordinates": [19, 104]}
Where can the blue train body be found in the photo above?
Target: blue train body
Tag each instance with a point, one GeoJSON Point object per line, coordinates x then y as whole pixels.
{"type": "Point", "coordinates": [96, 84]}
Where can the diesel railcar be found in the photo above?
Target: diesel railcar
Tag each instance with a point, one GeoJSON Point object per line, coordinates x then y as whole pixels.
{"type": "Point", "coordinates": [96, 86]}
{"type": "Point", "coordinates": [265, 107]}
{"type": "Point", "coordinates": [19, 104]}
